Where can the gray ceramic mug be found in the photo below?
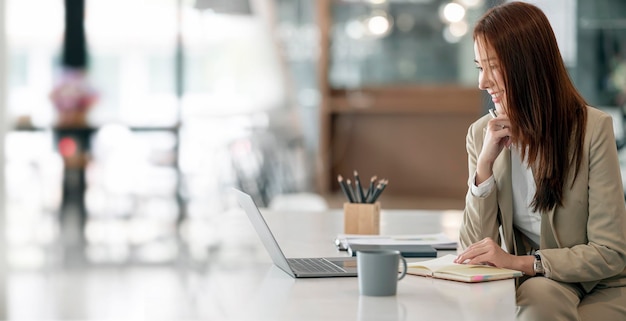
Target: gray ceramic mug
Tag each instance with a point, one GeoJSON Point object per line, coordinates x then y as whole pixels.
{"type": "Point", "coordinates": [378, 272]}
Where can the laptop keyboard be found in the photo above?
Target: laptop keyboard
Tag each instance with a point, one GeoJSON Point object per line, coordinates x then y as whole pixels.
{"type": "Point", "coordinates": [314, 265]}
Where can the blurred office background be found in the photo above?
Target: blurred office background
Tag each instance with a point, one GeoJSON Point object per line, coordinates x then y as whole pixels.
{"type": "Point", "coordinates": [275, 97]}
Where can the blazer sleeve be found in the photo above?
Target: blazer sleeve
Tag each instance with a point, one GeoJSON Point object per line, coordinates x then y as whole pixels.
{"type": "Point", "coordinates": [480, 217]}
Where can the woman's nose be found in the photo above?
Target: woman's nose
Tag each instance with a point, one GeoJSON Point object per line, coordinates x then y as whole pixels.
{"type": "Point", "coordinates": [484, 81]}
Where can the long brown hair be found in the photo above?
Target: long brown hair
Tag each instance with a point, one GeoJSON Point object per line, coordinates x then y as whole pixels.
{"type": "Point", "coordinates": [547, 113]}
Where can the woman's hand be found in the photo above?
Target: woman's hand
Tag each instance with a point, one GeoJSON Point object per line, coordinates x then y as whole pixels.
{"type": "Point", "coordinates": [487, 252]}
{"type": "Point", "coordinates": [498, 136]}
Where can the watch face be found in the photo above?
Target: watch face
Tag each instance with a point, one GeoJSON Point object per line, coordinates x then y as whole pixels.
{"type": "Point", "coordinates": [538, 267]}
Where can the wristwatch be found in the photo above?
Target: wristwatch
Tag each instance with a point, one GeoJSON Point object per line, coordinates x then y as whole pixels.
{"type": "Point", "coordinates": [537, 265]}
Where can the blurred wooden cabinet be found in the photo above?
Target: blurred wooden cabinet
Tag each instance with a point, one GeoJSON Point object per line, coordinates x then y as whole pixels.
{"type": "Point", "coordinates": [411, 134]}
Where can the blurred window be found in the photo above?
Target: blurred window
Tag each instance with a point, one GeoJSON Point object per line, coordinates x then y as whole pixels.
{"type": "Point", "coordinates": [386, 43]}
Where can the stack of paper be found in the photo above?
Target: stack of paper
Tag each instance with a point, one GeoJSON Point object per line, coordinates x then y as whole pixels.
{"type": "Point", "coordinates": [418, 250]}
{"type": "Point", "coordinates": [438, 241]}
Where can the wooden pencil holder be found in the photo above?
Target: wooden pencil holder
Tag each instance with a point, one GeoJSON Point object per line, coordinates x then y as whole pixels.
{"type": "Point", "coordinates": [361, 218]}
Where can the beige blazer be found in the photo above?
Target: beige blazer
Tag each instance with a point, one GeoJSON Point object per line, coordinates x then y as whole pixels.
{"type": "Point", "coordinates": [582, 241]}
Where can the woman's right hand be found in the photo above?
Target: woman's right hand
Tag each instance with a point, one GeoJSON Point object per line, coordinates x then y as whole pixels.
{"type": "Point", "coordinates": [497, 137]}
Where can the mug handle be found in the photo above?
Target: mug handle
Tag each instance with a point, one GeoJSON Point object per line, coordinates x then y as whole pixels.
{"type": "Point", "coordinates": [404, 268]}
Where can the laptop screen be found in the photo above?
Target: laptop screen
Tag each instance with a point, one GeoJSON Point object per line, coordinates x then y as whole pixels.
{"type": "Point", "coordinates": [263, 230]}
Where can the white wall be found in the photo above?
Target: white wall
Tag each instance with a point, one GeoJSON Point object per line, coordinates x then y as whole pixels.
{"type": "Point", "coordinates": [562, 16]}
{"type": "Point", "coordinates": [3, 128]}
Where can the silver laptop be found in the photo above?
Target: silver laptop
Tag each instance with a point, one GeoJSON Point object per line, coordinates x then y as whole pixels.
{"type": "Point", "coordinates": [296, 267]}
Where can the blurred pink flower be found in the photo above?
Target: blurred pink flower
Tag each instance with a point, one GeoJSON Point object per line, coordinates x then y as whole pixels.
{"type": "Point", "coordinates": [73, 92]}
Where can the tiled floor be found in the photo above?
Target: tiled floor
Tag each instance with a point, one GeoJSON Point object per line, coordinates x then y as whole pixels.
{"type": "Point", "coordinates": [67, 287]}
{"type": "Point", "coordinates": [100, 293]}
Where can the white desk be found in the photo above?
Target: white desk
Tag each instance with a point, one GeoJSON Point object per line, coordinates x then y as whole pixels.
{"type": "Point", "coordinates": [247, 286]}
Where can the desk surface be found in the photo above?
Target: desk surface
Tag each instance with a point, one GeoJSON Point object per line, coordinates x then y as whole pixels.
{"type": "Point", "coordinates": [245, 285]}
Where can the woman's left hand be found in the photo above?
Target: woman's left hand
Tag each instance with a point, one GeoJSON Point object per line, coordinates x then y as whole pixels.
{"type": "Point", "coordinates": [486, 251]}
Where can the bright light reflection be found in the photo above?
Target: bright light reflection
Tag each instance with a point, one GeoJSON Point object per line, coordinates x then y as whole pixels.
{"type": "Point", "coordinates": [458, 29]}
{"type": "Point", "coordinates": [453, 12]}
{"type": "Point", "coordinates": [448, 36]}
{"type": "Point", "coordinates": [378, 25]}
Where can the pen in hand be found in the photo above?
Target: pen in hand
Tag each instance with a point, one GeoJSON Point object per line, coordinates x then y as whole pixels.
{"type": "Point", "coordinates": [493, 112]}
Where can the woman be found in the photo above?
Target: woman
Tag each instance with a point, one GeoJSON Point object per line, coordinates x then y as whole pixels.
{"type": "Point", "coordinates": [545, 171]}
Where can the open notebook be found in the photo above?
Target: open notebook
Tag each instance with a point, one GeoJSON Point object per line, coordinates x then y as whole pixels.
{"type": "Point", "coordinates": [445, 268]}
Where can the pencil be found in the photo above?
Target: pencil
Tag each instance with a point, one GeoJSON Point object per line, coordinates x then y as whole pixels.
{"type": "Point", "coordinates": [350, 190]}
{"type": "Point", "coordinates": [344, 188]}
{"type": "Point", "coordinates": [379, 189]}
{"type": "Point", "coordinates": [360, 197]}
{"type": "Point", "coordinates": [370, 199]}
{"type": "Point", "coordinates": [370, 189]}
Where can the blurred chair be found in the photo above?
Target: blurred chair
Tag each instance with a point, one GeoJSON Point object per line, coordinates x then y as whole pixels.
{"type": "Point", "coordinates": [298, 202]}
